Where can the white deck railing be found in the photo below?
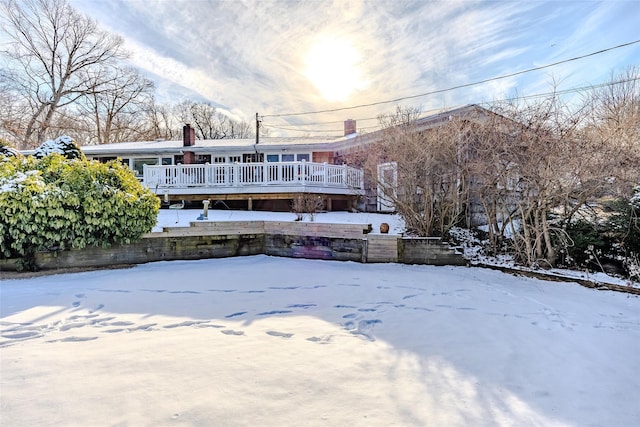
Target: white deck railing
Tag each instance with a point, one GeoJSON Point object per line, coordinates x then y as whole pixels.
{"type": "Point", "coordinates": [242, 175]}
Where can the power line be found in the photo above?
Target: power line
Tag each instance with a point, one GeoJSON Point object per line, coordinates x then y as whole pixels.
{"type": "Point", "coordinates": [538, 95]}
{"type": "Point", "coordinates": [563, 92]}
{"type": "Point", "coordinates": [313, 130]}
{"type": "Point", "coordinates": [459, 86]}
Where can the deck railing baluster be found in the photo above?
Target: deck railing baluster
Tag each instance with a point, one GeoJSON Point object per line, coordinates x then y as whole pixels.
{"type": "Point", "coordinates": [263, 175]}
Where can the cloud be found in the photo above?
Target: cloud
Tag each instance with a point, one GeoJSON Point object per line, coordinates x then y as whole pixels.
{"type": "Point", "coordinates": [250, 56]}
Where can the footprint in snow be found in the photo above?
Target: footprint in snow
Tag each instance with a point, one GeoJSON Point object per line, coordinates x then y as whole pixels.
{"type": "Point", "coordinates": [79, 316]}
{"type": "Point", "coordinates": [419, 308]}
{"type": "Point", "coordinates": [320, 340]}
{"type": "Point", "coordinates": [185, 323]}
{"type": "Point", "coordinates": [73, 339]}
{"type": "Point", "coordinates": [363, 329]}
{"type": "Point", "coordinates": [239, 313]}
{"type": "Point", "coordinates": [22, 335]}
{"type": "Point", "coordinates": [279, 334]}
{"type": "Point", "coordinates": [121, 323]}
{"type": "Point", "coordinates": [72, 326]}
{"type": "Point", "coordinates": [147, 327]}
{"type": "Point", "coordinates": [99, 307]}
{"type": "Point", "coordinates": [270, 313]}
{"type": "Point", "coordinates": [232, 332]}
{"type": "Point", "coordinates": [301, 305]}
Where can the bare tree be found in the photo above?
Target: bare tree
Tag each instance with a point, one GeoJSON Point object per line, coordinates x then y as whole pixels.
{"type": "Point", "coordinates": [491, 167]}
{"type": "Point", "coordinates": [241, 130]}
{"type": "Point", "coordinates": [539, 174]}
{"type": "Point", "coordinates": [209, 123]}
{"type": "Point", "coordinates": [614, 121]}
{"type": "Point", "coordinates": [158, 122]}
{"type": "Point", "coordinates": [12, 115]}
{"type": "Point", "coordinates": [202, 117]}
{"type": "Point", "coordinates": [116, 108]}
{"type": "Point", "coordinates": [428, 188]}
{"type": "Point", "coordinates": [53, 59]}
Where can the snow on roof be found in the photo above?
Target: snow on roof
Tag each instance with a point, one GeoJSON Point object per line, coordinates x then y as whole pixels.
{"type": "Point", "coordinates": [268, 143]}
{"type": "Point", "coordinates": [206, 145]}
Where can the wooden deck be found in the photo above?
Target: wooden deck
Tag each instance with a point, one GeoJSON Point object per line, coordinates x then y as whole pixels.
{"type": "Point", "coordinates": [242, 179]}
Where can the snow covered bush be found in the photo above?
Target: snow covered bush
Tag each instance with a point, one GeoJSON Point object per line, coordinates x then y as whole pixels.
{"type": "Point", "coordinates": [6, 151]}
{"type": "Point", "coordinates": [55, 203]}
{"type": "Point", "coordinates": [63, 145]}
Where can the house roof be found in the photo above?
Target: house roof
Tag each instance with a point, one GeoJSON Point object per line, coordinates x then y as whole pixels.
{"type": "Point", "coordinates": [471, 111]}
{"type": "Point", "coordinates": [205, 145]}
{"type": "Point", "coordinates": [268, 144]}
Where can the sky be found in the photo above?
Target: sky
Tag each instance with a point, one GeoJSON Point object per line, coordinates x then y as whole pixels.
{"type": "Point", "coordinates": [277, 57]}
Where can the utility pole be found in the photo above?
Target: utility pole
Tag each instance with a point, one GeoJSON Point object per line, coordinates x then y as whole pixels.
{"type": "Point", "coordinates": [257, 129]}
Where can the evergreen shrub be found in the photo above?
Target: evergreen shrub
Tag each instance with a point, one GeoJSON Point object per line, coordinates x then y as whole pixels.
{"type": "Point", "coordinates": [55, 203]}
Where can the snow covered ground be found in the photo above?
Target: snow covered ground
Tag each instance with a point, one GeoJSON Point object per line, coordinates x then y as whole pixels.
{"type": "Point", "coordinates": [290, 342]}
{"type": "Point", "coordinates": [182, 218]}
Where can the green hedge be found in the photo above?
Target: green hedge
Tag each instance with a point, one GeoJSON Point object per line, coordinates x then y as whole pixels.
{"type": "Point", "coordinates": [55, 203]}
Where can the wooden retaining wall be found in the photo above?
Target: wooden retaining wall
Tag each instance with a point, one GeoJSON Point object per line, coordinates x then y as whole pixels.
{"type": "Point", "coordinates": [341, 242]}
{"type": "Point", "coordinates": [382, 248]}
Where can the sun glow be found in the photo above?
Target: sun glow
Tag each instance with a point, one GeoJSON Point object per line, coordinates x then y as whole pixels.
{"type": "Point", "coordinates": [332, 67]}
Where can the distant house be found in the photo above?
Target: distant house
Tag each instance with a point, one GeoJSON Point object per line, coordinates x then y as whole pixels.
{"type": "Point", "coordinates": [243, 174]}
{"type": "Point", "coordinates": [464, 120]}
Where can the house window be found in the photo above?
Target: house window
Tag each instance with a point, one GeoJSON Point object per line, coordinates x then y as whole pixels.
{"type": "Point", "coordinates": [138, 164]}
{"type": "Point", "coordinates": [166, 161]}
{"type": "Point", "coordinates": [253, 158]}
{"type": "Point", "coordinates": [235, 159]}
{"type": "Point", "coordinates": [104, 159]}
{"type": "Point", "coordinates": [219, 159]}
{"type": "Point", "coordinates": [201, 159]}
{"type": "Point", "coordinates": [288, 157]}
{"type": "Point", "coordinates": [273, 157]}
{"type": "Point", "coordinates": [303, 157]}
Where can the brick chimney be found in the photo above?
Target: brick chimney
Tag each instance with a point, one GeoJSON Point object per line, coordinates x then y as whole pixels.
{"type": "Point", "coordinates": [188, 135]}
{"type": "Point", "coordinates": [188, 140]}
{"type": "Point", "coordinates": [349, 127]}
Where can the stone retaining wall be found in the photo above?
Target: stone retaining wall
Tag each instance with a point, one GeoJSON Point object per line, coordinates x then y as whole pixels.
{"type": "Point", "coordinates": [341, 242]}
{"type": "Point", "coordinates": [427, 250]}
